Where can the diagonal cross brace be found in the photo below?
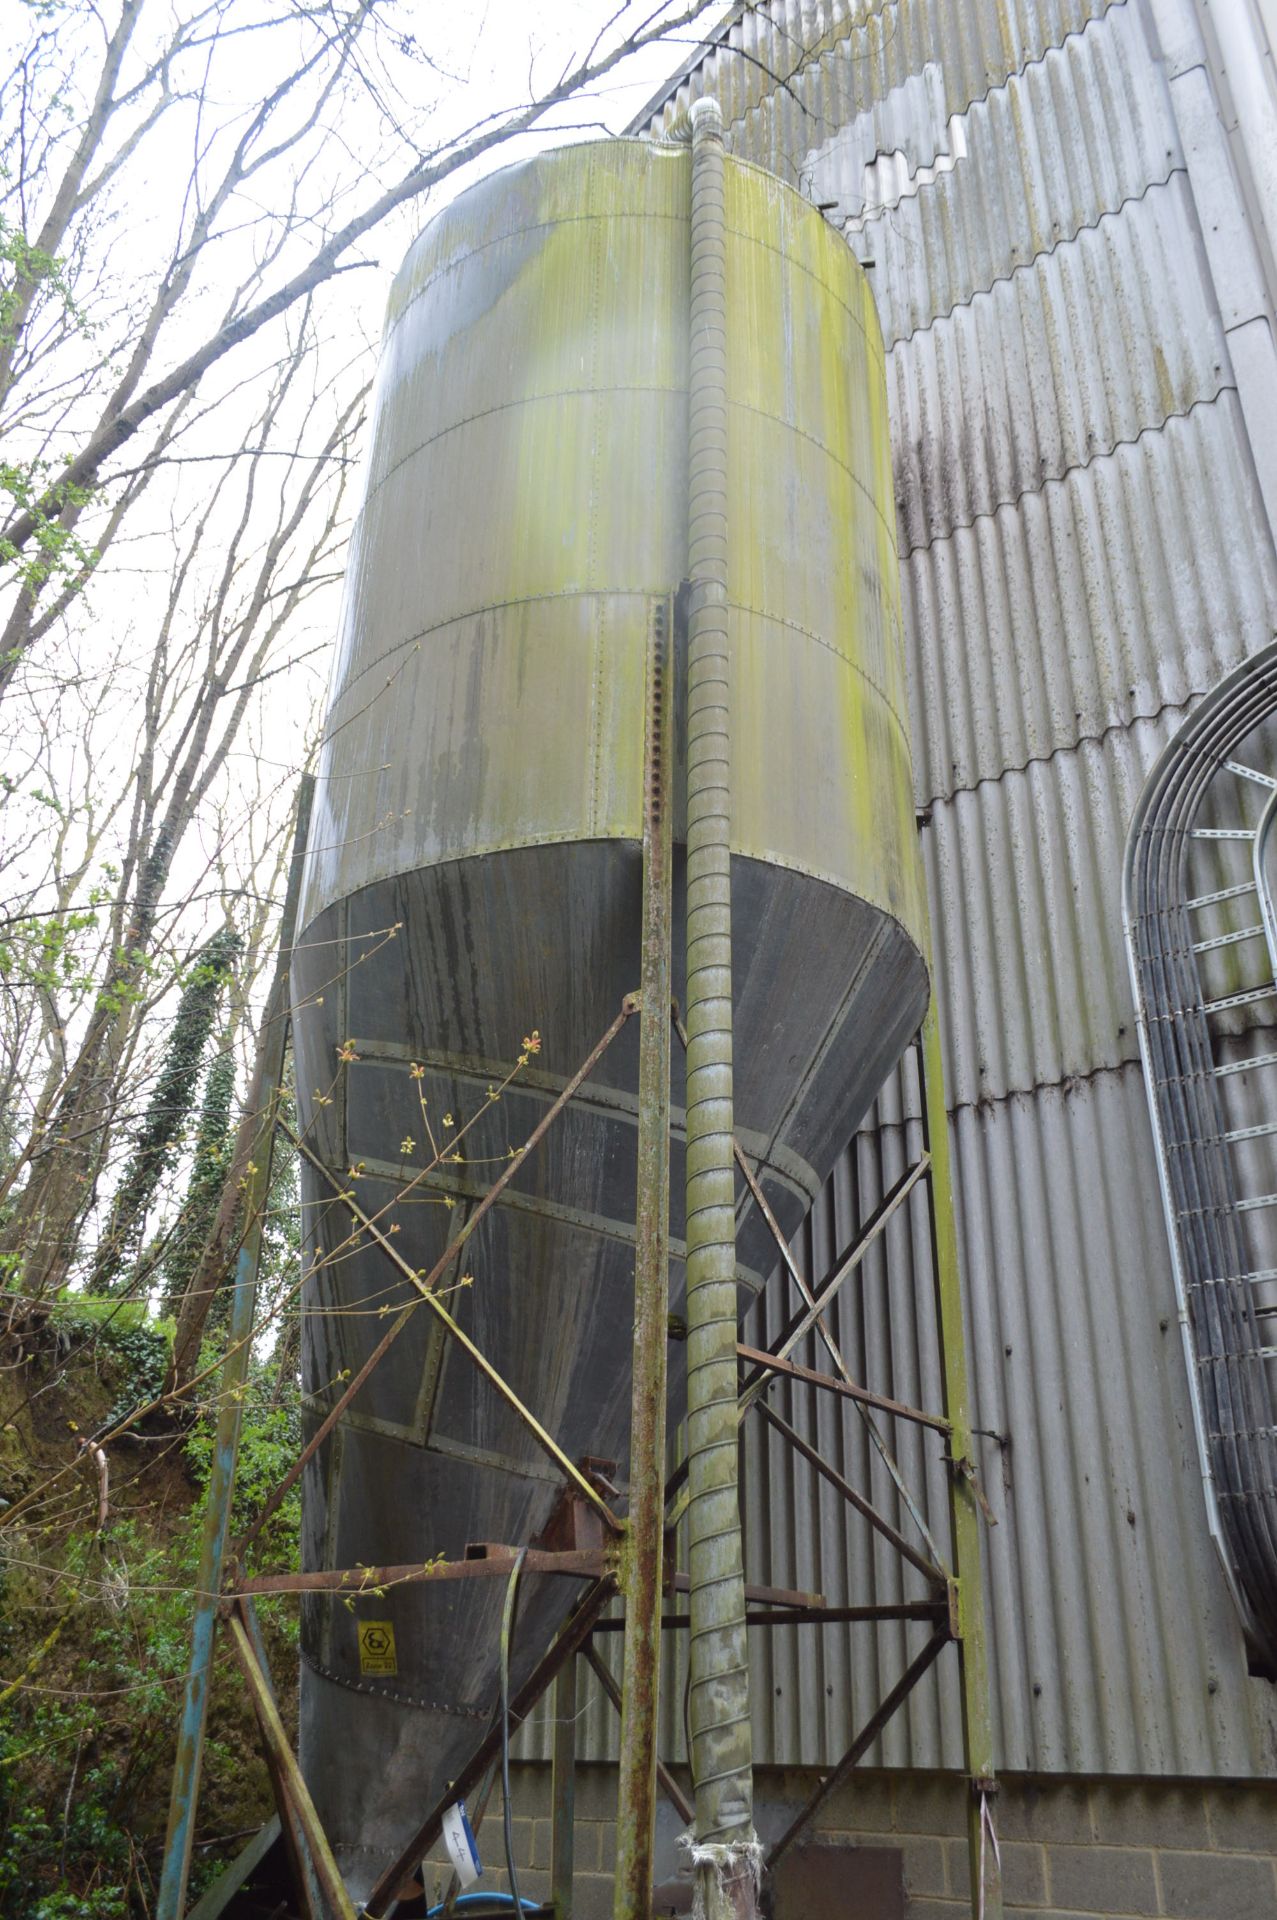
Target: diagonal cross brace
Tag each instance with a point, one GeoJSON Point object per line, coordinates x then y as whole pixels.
{"type": "Point", "coordinates": [424, 1288]}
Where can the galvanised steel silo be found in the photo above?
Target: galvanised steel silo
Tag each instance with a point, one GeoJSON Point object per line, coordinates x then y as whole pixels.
{"type": "Point", "coordinates": [474, 868]}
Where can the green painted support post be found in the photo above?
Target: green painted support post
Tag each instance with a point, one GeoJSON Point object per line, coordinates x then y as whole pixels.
{"type": "Point", "coordinates": [964, 1506]}
{"type": "Point", "coordinates": [636, 1790]}
{"type": "Point", "coordinates": [563, 1790]}
{"type": "Point", "coordinates": [171, 1899]}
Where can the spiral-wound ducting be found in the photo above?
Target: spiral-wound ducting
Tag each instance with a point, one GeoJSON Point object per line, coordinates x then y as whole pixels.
{"type": "Point", "coordinates": [718, 1701]}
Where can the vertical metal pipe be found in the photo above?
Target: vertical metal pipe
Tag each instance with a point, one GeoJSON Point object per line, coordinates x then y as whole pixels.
{"type": "Point", "coordinates": [973, 1654]}
{"type": "Point", "coordinates": [724, 1845]}
{"type": "Point", "coordinates": [636, 1792]}
{"type": "Point", "coordinates": [171, 1899]}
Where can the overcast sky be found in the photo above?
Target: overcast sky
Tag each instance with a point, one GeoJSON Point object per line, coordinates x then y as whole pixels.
{"type": "Point", "coordinates": [482, 62]}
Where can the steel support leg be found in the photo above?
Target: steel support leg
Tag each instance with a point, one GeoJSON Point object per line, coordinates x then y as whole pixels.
{"type": "Point", "coordinates": [283, 1761]}
{"type": "Point", "coordinates": [563, 1790]}
{"type": "Point", "coordinates": [636, 1793]}
{"type": "Point", "coordinates": [306, 1882]}
{"type": "Point", "coordinates": [973, 1656]}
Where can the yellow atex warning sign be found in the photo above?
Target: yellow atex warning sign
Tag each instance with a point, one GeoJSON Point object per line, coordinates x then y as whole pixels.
{"type": "Point", "coordinates": [377, 1647]}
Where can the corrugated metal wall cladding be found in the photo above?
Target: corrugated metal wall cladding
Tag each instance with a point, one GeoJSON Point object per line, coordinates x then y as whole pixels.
{"type": "Point", "coordinates": [1072, 138]}
{"type": "Point", "coordinates": [836, 63]}
{"type": "Point", "coordinates": [1091, 346]}
{"type": "Point", "coordinates": [1090, 554]}
{"type": "Point", "coordinates": [1109, 1631]}
{"type": "Point", "coordinates": [1114, 1643]}
{"type": "Point", "coordinates": [885, 1337]}
{"type": "Point", "coordinates": [1119, 590]}
{"type": "Point", "coordinates": [1026, 917]}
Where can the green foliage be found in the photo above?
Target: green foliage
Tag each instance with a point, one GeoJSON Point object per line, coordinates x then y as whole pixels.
{"type": "Point", "coordinates": [71, 1839]}
{"type": "Point", "coordinates": [86, 1741]}
{"type": "Point", "coordinates": [34, 487]}
{"type": "Point", "coordinates": [270, 1440]}
{"type": "Point", "coordinates": [49, 954]}
{"type": "Point", "coordinates": [112, 1317]}
{"type": "Point", "coordinates": [281, 1231]}
{"type": "Point", "coordinates": [135, 1347]}
{"type": "Point", "coordinates": [144, 1354]}
{"type": "Point", "coordinates": [208, 1174]}
{"type": "Point", "coordinates": [24, 267]}
{"type": "Point", "coordinates": [160, 1132]}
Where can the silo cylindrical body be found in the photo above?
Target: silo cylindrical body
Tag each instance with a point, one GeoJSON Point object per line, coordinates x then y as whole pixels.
{"type": "Point", "coordinates": [474, 873]}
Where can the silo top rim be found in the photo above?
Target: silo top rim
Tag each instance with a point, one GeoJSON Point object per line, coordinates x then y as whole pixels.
{"type": "Point", "coordinates": [647, 142]}
{"type": "Point", "coordinates": [663, 152]}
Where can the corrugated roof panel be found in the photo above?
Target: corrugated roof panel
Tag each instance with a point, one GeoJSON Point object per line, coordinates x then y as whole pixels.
{"type": "Point", "coordinates": [1119, 590]}
{"type": "Point", "coordinates": [1073, 137]}
{"type": "Point", "coordinates": [788, 74]}
{"type": "Point", "coordinates": [1079, 353]}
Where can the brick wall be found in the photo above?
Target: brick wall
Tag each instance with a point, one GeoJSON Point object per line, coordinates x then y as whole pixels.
{"type": "Point", "coordinates": [1071, 1849]}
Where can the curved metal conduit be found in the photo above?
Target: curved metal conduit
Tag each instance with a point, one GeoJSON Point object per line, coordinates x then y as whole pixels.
{"type": "Point", "coordinates": [1228, 1370]}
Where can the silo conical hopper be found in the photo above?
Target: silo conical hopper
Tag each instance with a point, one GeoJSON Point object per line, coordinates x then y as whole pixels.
{"type": "Point", "coordinates": [474, 870]}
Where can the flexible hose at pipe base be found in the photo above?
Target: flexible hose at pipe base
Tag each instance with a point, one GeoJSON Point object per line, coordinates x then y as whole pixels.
{"type": "Point", "coordinates": [728, 1878]}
